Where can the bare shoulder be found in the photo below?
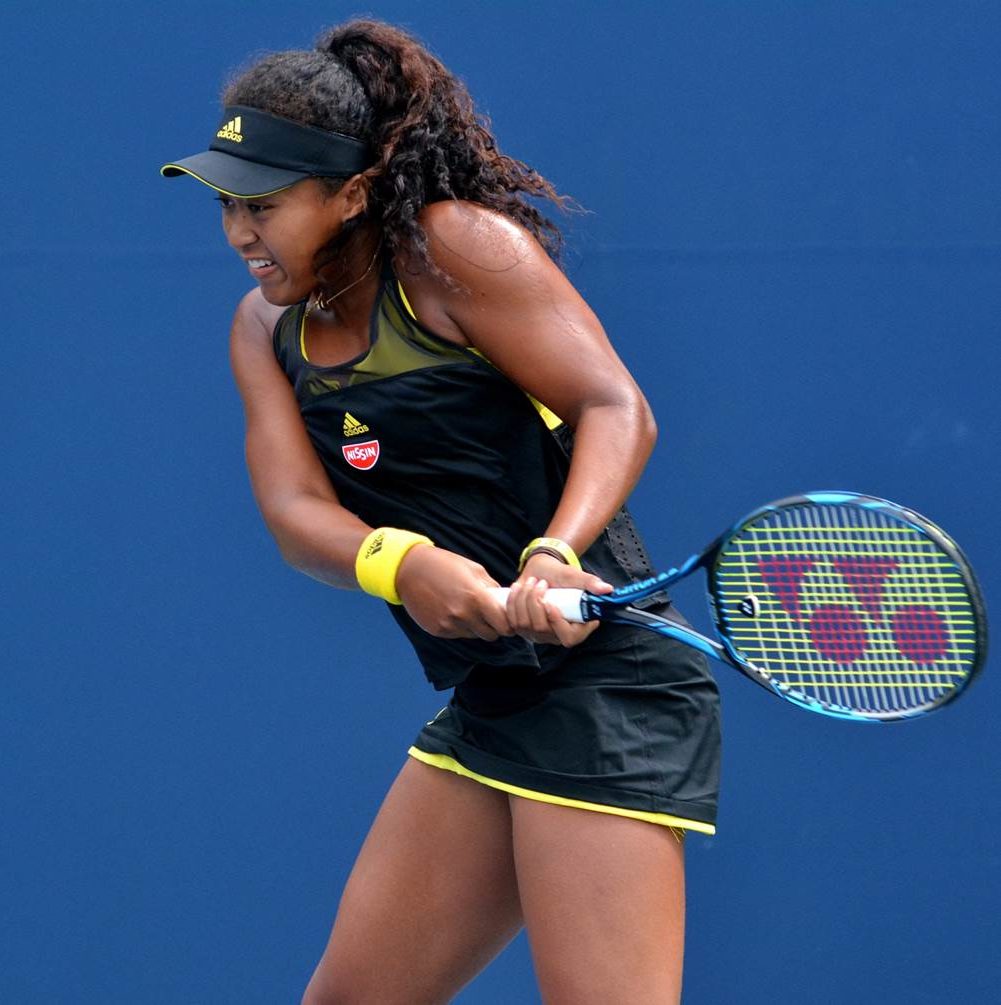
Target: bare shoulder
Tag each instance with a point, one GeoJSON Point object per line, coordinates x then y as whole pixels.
{"type": "Point", "coordinates": [465, 238]}
{"type": "Point", "coordinates": [255, 319]}
{"type": "Point", "coordinates": [489, 259]}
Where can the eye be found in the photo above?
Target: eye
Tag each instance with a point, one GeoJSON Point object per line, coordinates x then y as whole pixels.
{"type": "Point", "coordinates": [227, 202]}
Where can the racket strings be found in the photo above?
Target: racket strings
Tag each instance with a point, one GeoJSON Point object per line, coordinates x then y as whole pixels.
{"type": "Point", "coordinates": [849, 606]}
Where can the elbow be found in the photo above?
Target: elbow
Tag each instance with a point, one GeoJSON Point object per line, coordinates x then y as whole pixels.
{"type": "Point", "coordinates": [279, 518]}
{"type": "Point", "coordinates": [300, 554]}
{"type": "Point", "coordinates": [314, 535]}
{"type": "Point", "coordinates": [649, 428]}
{"type": "Point", "coordinates": [628, 413]}
{"type": "Point", "coordinates": [645, 424]}
{"type": "Point", "coordinates": [286, 548]}
{"type": "Point", "coordinates": [284, 541]}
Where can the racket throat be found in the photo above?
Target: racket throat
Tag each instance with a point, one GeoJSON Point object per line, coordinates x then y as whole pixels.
{"type": "Point", "coordinates": [712, 648]}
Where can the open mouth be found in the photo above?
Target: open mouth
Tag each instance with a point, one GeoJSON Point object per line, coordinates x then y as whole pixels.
{"type": "Point", "coordinates": [260, 266]}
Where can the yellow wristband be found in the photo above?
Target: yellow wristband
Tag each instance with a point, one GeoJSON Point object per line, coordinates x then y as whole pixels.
{"type": "Point", "coordinates": [379, 559]}
{"type": "Point", "coordinates": [550, 546]}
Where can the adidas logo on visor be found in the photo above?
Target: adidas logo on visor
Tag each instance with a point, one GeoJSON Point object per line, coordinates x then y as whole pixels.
{"type": "Point", "coordinates": [232, 130]}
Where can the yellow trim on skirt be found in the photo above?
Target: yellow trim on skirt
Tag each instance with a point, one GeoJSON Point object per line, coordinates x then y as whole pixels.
{"type": "Point", "coordinates": [664, 819]}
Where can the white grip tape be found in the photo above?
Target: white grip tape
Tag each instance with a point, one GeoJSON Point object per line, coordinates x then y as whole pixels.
{"type": "Point", "coordinates": [567, 601]}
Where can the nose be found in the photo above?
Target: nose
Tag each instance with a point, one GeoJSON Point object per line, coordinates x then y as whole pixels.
{"type": "Point", "coordinates": [237, 225]}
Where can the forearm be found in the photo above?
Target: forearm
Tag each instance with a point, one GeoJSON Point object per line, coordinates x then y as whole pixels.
{"type": "Point", "coordinates": [611, 446]}
{"type": "Point", "coordinates": [318, 537]}
{"type": "Point", "coordinates": [446, 594]}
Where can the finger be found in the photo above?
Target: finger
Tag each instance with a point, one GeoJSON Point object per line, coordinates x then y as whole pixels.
{"type": "Point", "coordinates": [595, 584]}
{"type": "Point", "coordinates": [494, 613]}
{"type": "Point", "coordinates": [563, 631]}
{"type": "Point", "coordinates": [521, 600]}
{"type": "Point", "coordinates": [483, 630]}
{"type": "Point", "coordinates": [569, 633]}
{"type": "Point", "coordinates": [472, 627]}
{"type": "Point", "coordinates": [513, 594]}
{"type": "Point", "coordinates": [537, 609]}
{"type": "Point", "coordinates": [517, 605]}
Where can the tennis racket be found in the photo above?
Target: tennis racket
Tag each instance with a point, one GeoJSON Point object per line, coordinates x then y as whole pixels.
{"type": "Point", "coordinates": [841, 603]}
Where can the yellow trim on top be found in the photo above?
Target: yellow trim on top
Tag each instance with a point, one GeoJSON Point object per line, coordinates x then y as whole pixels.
{"type": "Point", "coordinates": [406, 302]}
{"type": "Point", "coordinates": [551, 419]}
{"type": "Point", "coordinates": [302, 335]}
{"type": "Point", "coordinates": [235, 195]}
{"type": "Point", "coordinates": [447, 763]}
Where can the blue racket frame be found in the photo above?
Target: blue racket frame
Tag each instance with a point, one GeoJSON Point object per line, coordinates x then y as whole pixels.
{"type": "Point", "coordinates": [614, 607]}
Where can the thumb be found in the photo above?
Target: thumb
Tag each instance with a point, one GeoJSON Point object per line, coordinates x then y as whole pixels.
{"type": "Point", "coordinates": [595, 584]}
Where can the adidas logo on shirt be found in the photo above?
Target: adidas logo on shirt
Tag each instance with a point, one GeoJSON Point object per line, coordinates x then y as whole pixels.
{"type": "Point", "coordinates": [232, 130]}
{"type": "Point", "coordinates": [352, 427]}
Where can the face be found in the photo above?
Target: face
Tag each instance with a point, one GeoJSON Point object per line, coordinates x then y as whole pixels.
{"type": "Point", "coordinates": [279, 235]}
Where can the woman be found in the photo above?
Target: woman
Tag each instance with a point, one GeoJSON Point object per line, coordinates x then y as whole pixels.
{"type": "Point", "coordinates": [402, 362]}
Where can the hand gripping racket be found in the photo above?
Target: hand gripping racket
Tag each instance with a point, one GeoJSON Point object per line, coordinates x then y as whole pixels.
{"type": "Point", "coordinates": [841, 603]}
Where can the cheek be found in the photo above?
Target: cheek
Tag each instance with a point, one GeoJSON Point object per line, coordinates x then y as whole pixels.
{"type": "Point", "coordinates": [306, 243]}
{"type": "Point", "coordinates": [293, 233]}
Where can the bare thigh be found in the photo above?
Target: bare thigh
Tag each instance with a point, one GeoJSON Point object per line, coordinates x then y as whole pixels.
{"type": "Point", "coordinates": [603, 898]}
{"type": "Point", "coordinates": [431, 899]}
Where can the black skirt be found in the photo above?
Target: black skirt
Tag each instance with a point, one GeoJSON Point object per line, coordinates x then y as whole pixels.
{"type": "Point", "coordinates": [625, 723]}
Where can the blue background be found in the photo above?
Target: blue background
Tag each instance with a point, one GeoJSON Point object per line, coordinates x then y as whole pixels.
{"type": "Point", "coordinates": [793, 237]}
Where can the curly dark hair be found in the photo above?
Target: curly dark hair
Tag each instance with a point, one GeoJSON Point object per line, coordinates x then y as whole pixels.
{"type": "Point", "coordinates": [375, 82]}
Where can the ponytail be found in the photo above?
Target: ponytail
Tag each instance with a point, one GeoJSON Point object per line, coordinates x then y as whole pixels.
{"type": "Point", "coordinates": [374, 81]}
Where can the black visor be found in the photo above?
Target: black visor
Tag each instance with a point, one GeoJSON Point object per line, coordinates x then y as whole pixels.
{"type": "Point", "coordinates": [255, 154]}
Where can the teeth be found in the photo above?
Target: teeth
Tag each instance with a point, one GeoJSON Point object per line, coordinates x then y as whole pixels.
{"type": "Point", "coordinates": [259, 263]}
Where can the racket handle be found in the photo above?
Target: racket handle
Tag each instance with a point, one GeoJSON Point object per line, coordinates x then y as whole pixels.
{"type": "Point", "coordinates": [567, 601]}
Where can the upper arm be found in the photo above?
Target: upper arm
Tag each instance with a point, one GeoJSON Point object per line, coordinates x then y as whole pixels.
{"type": "Point", "coordinates": [280, 456]}
{"type": "Point", "coordinates": [518, 308]}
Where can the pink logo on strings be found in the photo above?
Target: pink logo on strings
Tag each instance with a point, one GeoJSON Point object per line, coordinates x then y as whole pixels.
{"type": "Point", "coordinates": [838, 632]}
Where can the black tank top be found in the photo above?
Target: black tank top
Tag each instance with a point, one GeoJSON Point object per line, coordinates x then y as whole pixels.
{"type": "Point", "coordinates": [425, 435]}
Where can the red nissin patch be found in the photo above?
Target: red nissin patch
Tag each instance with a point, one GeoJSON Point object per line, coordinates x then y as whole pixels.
{"type": "Point", "coordinates": [361, 455]}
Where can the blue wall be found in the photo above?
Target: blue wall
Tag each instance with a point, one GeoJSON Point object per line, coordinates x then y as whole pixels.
{"type": "Point", "coordinates": [794, 238]}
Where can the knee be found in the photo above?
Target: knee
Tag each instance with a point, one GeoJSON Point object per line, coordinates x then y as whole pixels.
{"type": "Point", "coordinates": [338, 989]}
{"type": "Point", "coordinates": [313, 996]}
{"type": "Point", "coordinates": [368, 989]}
{"type": "Point", "coordinates": [325, 993]}
{"type": "Point", "coordinates": [329, 996]}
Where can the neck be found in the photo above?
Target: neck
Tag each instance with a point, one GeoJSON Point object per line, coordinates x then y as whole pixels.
{"type": "Point", "coordinates": [345, 293]}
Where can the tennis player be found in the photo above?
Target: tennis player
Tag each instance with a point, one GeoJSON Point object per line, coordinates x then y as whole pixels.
{"type": "Point", "coordinates": [415, 369]}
